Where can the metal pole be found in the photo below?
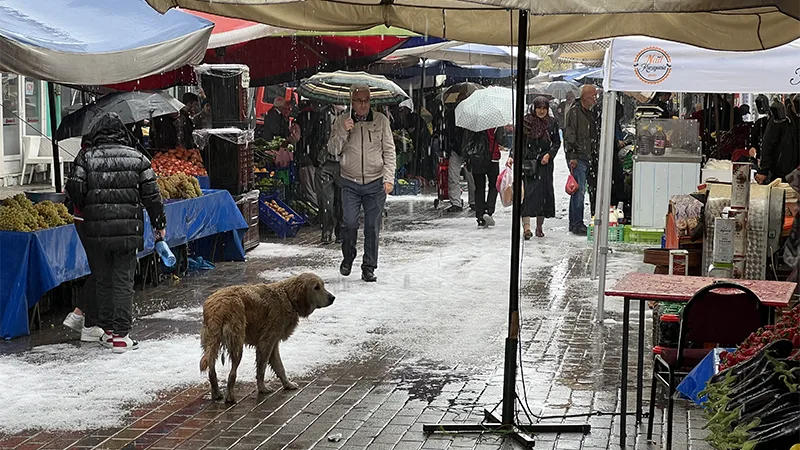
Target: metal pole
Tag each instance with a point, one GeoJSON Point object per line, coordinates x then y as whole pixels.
{"type": "Point", "coordinates": [510, 368]}
{"type": "Point", "coordinates": [51, 96]}
{"type": "Point", "coordinates": [601, 229]}
{"type": "Point", "coordinates": [600, 211]}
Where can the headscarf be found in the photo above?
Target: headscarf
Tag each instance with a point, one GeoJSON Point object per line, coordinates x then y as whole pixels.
{"type": "Point", "coordinates": [535, 127]}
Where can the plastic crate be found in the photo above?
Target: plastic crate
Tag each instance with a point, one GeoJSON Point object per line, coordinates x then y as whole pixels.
{"type": "Point", "coordinates": [615, 234]}
{"type": "Point", "coordinates": [643, 235]}
{"type": "Point", "coordinates": [274, 221]}
{"type": "Point", "coordinates": [666, 323]}
{"type": "Point", "coordinates": [407, 187]}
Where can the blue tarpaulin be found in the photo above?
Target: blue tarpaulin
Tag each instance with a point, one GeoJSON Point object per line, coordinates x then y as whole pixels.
{"type": "Point", "coordinates": [34, 263]}
{"type": "Point", "coordinates": [96, 42]}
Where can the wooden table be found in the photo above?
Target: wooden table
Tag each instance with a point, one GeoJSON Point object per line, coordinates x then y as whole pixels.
{"type": "Point", "coordinates": [645, 287]}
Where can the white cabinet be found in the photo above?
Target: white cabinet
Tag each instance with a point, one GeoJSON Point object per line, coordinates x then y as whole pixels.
{"type": "Point", "coordinates": [655, 180]}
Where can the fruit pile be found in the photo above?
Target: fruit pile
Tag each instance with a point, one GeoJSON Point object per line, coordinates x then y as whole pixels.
{"type": "Point", "coordinates": [286, 215]}
{"type": "Point", "coordinates": [18, 214]}
{"type": "Point", "coordinates": [178, 160]}
{"type": "Point", "coordinates": [787, 328]}
{"type": "Point", "coordinates": [179, 186]}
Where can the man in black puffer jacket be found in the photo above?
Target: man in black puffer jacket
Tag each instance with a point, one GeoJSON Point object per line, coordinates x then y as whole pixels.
{"type": "Point", "coordinates": [109, 184]}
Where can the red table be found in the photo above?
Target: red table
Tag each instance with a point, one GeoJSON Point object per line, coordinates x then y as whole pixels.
{"type": "Point", "coordinates": [673, 288]}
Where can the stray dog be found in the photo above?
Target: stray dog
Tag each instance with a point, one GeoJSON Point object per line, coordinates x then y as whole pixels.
{"type": "Point", "coordinates": [260, 315]}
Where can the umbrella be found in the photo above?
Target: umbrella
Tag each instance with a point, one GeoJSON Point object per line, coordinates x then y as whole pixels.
{"type": "Point", "coordinates": [559, 89]}
{"type": "Point", "coordinates": [459, 92]}
{"type": "Point", "coordinates": [334, 88]}
{"type": "Point", "coordinates": [469, 54]}
{"type": "Point", "coordinates": [486, 109]}
{"type": "Point", "coordinates": [130, 106]}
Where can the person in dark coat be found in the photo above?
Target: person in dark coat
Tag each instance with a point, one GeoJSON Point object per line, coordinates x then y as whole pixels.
{"type": "Point", "coordinates": [184, 124]}
{"type": "Point", "coordinates": [109, 184]}
{"type": "Point", "coordinates": [483, 159]}
{"type": "Point", "coordinates": [542, 141]}
{"type": "Point", "coordinates": [780, 153]}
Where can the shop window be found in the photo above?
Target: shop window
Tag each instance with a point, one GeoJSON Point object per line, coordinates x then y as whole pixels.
{"type": "Point", "coordinates": [10, 114]}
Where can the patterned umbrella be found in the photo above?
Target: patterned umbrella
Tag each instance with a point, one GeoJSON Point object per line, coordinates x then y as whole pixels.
{"type": "Point", "coordinates": [486, 109]}
{"type": "Point", "coordinates": [334, 88]}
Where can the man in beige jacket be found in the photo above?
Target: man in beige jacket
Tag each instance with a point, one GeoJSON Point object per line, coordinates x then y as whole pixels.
{"type": "Point", "coordinates": [363, 142]}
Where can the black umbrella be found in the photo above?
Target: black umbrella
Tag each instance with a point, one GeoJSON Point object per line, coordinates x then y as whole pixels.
{"type": "Point", "coordinates": [130, 106]}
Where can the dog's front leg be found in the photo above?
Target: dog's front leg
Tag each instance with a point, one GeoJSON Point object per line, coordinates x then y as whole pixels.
{"type": "Point", "coordinates": [277, 366]}
{"type": "Point", "coordinates": [262, 357]}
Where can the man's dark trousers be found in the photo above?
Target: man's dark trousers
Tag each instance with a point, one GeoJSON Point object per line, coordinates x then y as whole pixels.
{"type": "Point", "coordinates": [371, 197]}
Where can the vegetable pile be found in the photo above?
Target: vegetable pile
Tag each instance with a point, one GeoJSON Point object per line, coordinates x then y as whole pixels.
{"type": "Point", "coordinates": [283, 212]}
{"type": "Point", "coordinates": [787, 328]}
{"type": "Point", "coordinates": [178, 160]}
{"type": "Point", "coordinates": [754, 401]}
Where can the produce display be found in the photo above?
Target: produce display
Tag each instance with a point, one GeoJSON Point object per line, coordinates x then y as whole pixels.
{"type": "Point", "coordinates": [273, 205]}
{"type": "Point", "coordinates": [179, 160]}
{"type": "Point", "coordinates": [18, 213]}
{"type": "Point", "coordinates": [179, 186]}
{"type": "Point", "coordinates": [754, 402]}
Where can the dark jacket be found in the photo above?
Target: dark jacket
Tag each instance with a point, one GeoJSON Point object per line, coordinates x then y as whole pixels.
{"type": "Point", "coordinates": [109, 184]}
{"type": "Point", "coordinates": [780, 151]}
{"type": "Point", "coordinates": [580, 134]}
{"type": "Point", "coordinates": [185, 127]}
{"type": "Point", "coordinates": [275, 125]}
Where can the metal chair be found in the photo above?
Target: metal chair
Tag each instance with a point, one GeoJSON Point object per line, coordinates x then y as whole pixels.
{"type": "Point", "coordinates": [722, 314]}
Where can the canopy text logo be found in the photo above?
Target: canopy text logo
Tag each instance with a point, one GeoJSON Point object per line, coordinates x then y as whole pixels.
{"type": "Point", "coordinates": [652, 65]}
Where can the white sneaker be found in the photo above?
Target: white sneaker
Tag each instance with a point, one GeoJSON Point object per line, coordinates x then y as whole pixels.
{"type": "Point", "coordinates": [489, 220]}
{"type": "Point", "coordinates": [92, 334]}
{"type": "Point", "coordinates": [74, 321]}
{"type": "Point", "coordinates": [107, 339]}
{"type": "Point", "coordinates": [124, 343]}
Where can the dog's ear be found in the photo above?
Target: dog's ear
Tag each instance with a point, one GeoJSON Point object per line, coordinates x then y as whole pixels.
{"type": "Point", "coordinates": [299, 289]}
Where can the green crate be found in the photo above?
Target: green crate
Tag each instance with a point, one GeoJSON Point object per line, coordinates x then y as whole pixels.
{"type": "Point", "coordinates": [615, 234]}
{"type": "Point", "coordinates": [643, 235]}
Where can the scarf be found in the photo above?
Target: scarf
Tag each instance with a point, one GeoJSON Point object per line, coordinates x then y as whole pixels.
{"type": "Point", "coordinates": [535, 127]}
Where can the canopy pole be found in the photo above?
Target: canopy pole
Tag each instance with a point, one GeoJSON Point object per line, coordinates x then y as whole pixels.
{"type": "Point", "coordinates": [51, 96]}
{"type": "Point", "coordinates": [506, 424]}
{"type": "Point", "coordinates": [607, 154]}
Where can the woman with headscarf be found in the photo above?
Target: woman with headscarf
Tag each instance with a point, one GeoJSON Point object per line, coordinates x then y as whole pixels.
{"type": "Point", "coordinates": [542, 142]}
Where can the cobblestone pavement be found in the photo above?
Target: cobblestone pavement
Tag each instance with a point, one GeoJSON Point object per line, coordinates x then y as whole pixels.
{"type": "Point", "coordinates": [570, 365]}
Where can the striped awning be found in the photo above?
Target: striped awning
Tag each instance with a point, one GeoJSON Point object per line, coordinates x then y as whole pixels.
{"type": "Point", "coordinates": [334, 88]}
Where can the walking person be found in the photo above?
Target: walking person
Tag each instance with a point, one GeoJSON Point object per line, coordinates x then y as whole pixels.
{"type": "Point", "coordinates": [328, 183]}
{"type": "Point", "coordinates": [109, 184]}
{"type": "Point", "coordinates": [453, 145]}
{"type": "Point", "coordinates": [363, 142]}
{"type": "Point", "coordinates": [482, 151]}
{"type": "Point", "coordinates": [580, 137]}
{"type": "Point", "coordinates": [542, 142]}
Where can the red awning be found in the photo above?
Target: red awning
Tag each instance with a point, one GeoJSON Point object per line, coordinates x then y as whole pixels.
{"type": "Point", "coordinates": [274, 57]}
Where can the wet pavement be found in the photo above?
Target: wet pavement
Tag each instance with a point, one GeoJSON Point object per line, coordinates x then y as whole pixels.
{"type": "Point", "coordinates": [403, 374]}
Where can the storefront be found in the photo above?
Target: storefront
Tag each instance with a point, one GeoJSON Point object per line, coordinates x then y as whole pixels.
{"type": "Point", "coordinates": [18, 119]}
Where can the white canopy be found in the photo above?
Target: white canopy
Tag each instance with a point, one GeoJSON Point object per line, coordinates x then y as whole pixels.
{"type": "Point", "coordinates": [647, 64]}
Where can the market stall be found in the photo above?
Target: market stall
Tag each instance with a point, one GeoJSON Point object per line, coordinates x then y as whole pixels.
{"type": "Point", "coordinates": [38, 261]}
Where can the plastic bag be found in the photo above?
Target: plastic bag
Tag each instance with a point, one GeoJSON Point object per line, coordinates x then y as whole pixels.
{"type": "Point", "coordinates": [505, 186]}
{"type": "Point", "coordinates": [572, 185]}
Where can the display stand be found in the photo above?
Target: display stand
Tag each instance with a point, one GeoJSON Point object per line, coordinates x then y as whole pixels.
{"type": "Point", "coordinates": [506, 424]}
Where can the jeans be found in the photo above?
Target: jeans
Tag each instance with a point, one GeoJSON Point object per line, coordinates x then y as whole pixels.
{"type": "Point", "coordinates": [113, 272]}
{"type": "Point", "coordinates": [456, 161]}
{"type": "Point", "coordinates": [87, 295]}
{"type": "Point", "coordinates": [485, 202]}
{"type": "Point", "coordinates": [577, 199]}
{"type": "Point", "coordinates": [371, 197]}
{"type": "Point", "coordinates": [329, 195]}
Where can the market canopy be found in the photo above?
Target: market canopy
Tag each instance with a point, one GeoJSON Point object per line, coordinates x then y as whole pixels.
{"type": "Point", "coordinates": [276, 55]}
{"type": "Point", "coordinates": [94, 42]}
{"type": "Point", "coordinates": [729, 25]}
{"type": "Point", "coordinates": [646, 64]}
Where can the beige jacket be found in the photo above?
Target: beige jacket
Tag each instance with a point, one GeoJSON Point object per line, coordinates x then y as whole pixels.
{"type": "Point", "coordinates": [366, 153]}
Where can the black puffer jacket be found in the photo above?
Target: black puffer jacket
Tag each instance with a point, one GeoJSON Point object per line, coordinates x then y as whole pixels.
{"type": "Point", "coordinates": [780, 152]}
{"type": "Point", "coordinates": [109, 184]}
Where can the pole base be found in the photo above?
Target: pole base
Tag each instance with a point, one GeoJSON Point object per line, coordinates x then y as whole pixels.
{"type": "Point", "coordinates": [518, 432]}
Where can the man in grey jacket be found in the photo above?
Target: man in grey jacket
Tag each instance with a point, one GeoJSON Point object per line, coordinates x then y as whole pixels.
{"type": "Point", "coordinates": [363, 142]}
{"type": "Point", "coordinates": [580, 138]}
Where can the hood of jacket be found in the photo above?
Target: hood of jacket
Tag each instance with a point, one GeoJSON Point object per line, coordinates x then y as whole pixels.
{"type": "Point", "coordinates": [778, 111]}
{"type": "Point", "coordinates": [108, 129]}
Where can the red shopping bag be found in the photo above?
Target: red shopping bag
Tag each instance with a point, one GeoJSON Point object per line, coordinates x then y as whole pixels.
{"type": "Point", "coordinates": [572, 184]}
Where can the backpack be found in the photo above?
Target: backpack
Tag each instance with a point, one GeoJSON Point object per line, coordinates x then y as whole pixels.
{"type": "Point", "coordinates": [476, 149]}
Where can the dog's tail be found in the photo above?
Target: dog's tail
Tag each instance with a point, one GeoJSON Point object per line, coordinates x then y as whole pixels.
{"type": "Point", "coordinates": [210, 343]}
